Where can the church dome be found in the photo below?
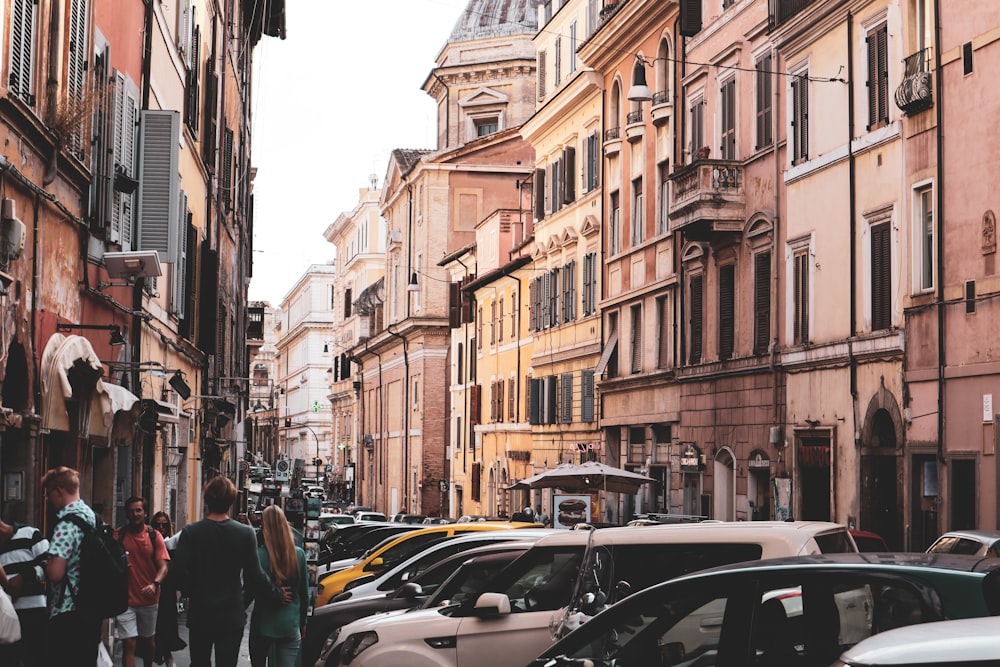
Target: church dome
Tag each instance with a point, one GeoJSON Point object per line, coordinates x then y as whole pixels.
{"type": "Point", "coordinates": [483, 19]}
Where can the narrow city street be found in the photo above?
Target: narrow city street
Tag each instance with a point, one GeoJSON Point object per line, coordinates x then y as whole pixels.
{"type": "Point", "coordinates": [182, 658]}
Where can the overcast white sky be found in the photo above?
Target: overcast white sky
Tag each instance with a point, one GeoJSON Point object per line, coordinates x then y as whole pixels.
{"type": "Point", "coordinates": [331, 102]}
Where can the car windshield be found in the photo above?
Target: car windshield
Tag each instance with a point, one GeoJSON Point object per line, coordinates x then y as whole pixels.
{"type": "Point", "coordinates": [399, 552]}
{"type": "Point", "coordinates": [541, 580]}
{"type": "Point", "coordinates": [470, 578]}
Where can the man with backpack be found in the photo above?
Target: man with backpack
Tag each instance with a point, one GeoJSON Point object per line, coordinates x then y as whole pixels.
{"type": "Point", "coordinates": [23, 550]}
{"type": "Point", "coordinates": [73, 633]}
{"type": "Point", "coordinates": [147, 567]}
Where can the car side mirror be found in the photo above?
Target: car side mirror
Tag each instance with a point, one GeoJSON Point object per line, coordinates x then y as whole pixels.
{"type": "Point", "coordinates": [408, 591]}
{"type": "Point", "coordinates": [491, 605]}
{"type": "Point", "coordinates": [376, 564]}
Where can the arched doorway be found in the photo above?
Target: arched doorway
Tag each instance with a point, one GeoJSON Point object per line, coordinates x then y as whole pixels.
{"type": "Point", "coordinates": [725, 483]}
{"type": "Point", "coordinates": [881, 470]}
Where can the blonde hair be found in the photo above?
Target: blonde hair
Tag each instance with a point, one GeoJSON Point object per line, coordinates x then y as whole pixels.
{"type": "Point", "coordinates": [280, 545]}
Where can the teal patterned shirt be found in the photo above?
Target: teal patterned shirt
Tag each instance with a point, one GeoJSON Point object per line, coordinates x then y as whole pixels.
{"type": "Point", "coordinates": [65, 543]}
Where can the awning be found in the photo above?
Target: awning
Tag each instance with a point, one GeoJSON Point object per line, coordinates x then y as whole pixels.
{"type": "Point", "coordinates": [166, 413]}
{"type": "Point", "coordinates": [73, 356]}
{"type": "Point", "coordinates": [609, 349]}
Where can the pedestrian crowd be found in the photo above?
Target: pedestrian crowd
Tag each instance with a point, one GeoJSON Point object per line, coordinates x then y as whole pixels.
{"type": "Point", "coordinates": [217, 566]}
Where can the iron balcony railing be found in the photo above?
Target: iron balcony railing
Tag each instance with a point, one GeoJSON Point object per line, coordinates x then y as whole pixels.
{"type": "Point", "coordinates": [633, 117]}
{"type": "Point", "coordinates": [915, 92]}
{"type": "Point", "coordinates": [612, 133]}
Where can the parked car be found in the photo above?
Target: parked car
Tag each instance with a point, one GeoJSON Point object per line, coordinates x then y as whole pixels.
{"type": "Point", "coordinates": [967, 641]}
{"type": "Point", "coordinates": [567, 577]}
{"type": "Point", "coordinates": [437, 520]}
{"type": "Point", "coordinates": [804, 610]}
{"type": "Point", "coordinates": [396, 550]}
{"type": "Point", "coordinates": [370, 516]}
{"type": "Point", "coordinates": [315, 492]}
{"type": "Point", "coordinates": [326, 520]}
{"type": "Point", "coordinates": [383, 592]}
{"type": "Point", "coordinates": [869, 541]}
{"type": "Point", "coordinates": [340, 548]}
{"type": "Point", "coordinates": [403, 517]}
{"type": "Point", "coordinates": [973, 542]}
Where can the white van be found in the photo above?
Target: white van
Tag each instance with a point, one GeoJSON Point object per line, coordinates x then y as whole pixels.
{"type": "Point", "coordinates": [563, 580]}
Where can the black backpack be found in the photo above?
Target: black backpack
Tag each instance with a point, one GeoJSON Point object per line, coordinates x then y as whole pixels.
{"type": "Point", "coordinates": [103, 586]}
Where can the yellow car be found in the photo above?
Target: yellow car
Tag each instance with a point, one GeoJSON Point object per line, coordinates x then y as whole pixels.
{"type": "Point", "coordinates": [398, 548]}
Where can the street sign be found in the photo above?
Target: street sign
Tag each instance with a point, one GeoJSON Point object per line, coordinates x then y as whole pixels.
{"type": "Point", "coordinates": [329, 467]}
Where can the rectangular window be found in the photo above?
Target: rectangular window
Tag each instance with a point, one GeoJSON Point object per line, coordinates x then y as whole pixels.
{"type": "Point", "coordinates": [727, 310]}
{"type": "Point", "coordinates": [551, 389]}
{"type": "Point", "coordinates": [479, 329]}
{"type": "Point", "coordinates": [697, 127]}
{"type": "Point", "coordinates": [970, 297]}
{"type": "Point", "coordinates": [569, 292]}
{"type": "Point", "coordinates": [587, 395]}
{"type": "Point", "coordinates": [615, 228]}
{"type": "Point", "coordinates": [764, 94]}
{"type": "Point", "coordinates": [540, 68]}
{"type": "Point", "coordinates": [637, 208]}
{"type": "Point", "coordinates": [554, 298]}
{"type": "Point", "coordinates": [589, 283]}
{"type": "Point", "coordinates": [800, 295]}
{"type": "Point", "coordinates": [728, 97]}
{"type": "Point", "coordinates": [762, 302]}
{"type": "Point", "coordinates": [515, 305]}
{"type": "Point", "coordinates": [538, 193]}
{"type": "Point", "coordinates": [500, 326]}
{"type": "Point", "coordinates": [566, 399]}
{"type": "Point", "coordinates": [511, 402]}
{"type": "Point", "coordinates": [23, 26]}
{"type": "Point", "coordinates": [923, 234]}
{"type": "Point", "coordinates": [558, 61]}
{"type": "Point", "coordinates": [568, 176]}
{"type": "Point", "coordinates": [636, 339]}
{"type": "Point", "coordinates": [663, 219]}
{"type": "Point", "coordinates": [493, 322]}
{"type": "Point", "coordinates": [800, 118]}
{"type": "Point", "coordinates": [881, 277]}
{"type": "Point", "coordinates": [534, 401]}
{"type": "Point", "coordinates": [967, 58]}
{"type": "Point", "coordinates": [348, 303]}
{"type": "Point", "coordinates": [696, 293]}
{"type": "Point", "coordinates": [878, 77]}
{"type": "Point", "coordinates": [663, 332]}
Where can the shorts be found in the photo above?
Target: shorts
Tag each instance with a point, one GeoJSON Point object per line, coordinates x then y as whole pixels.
{"type": "Point", "coordinates": [137, 622]}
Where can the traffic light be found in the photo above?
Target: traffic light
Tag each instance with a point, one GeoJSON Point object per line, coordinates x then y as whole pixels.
{"type": "Point", "coordinates": [288, 422]}
{"type": "Point", "coordinates": [317, 462]}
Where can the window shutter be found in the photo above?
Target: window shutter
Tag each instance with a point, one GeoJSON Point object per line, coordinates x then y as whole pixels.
{"type": "Point", "coordinates": [587, 395]}
{"type": "Point", "coordinates": [728, 147]}
{"type": "Point", "coordinates": [76, 82]}
{"type": "Point", "coordinates": [663, 351]}
{"type": "Point", "coordinates": [500, 384]}
{"type": "Point", "coordinates": [208, 295]}
{"type": "Point", "coordinates": [566, 411]}
{"type": "Point", "coordinates": [569, 174]}
{"type": "Point", "coordinates": [801, 297]}
{"type": "Point", "coordinates": [24, 19]}
{"type": "Point", "coordinates": [534, 401]}
{"type": "Point", "coordinates": [158, 183]}
{"type": "Point", "coordinates": [690, 17]}
{"type": "Point", "coordinates": [764, 102]}
{"type": "Point", "coordinates": [539, 193]}
{"type": "Point", "coordinates": [209, 139]}
{"type": "Point", "coordinates": [883, 74]}
{"type": "Point", "coordinates": [475, 407]}
{"type": "Point", "coordinates": [872, 83]}
{"type": "Point", "coordinates": [550, 399]}
{"type": "Point", "coordinates": [511, 394]}
{"type": "Point", "coordinates": [727, 310]}
{"type": "Point", "coordinates": [179, 270]}
{"type": "Point", "coordinates": [762, 302]}
{"type": "Point", "coordinates": [191, 102]}
{"type": "Point", "coordinates": [541, 75]}
{"type": "Point", "coordinates": [696, 318]}
{"type": "Point", "coordinates": [881, 278]}
{"type": "Point", "coordinates": [227, 170]}
{"type": "Point", "coordinates": [637, 339]}
{"type": "Point", "coordinates": [454, 305]}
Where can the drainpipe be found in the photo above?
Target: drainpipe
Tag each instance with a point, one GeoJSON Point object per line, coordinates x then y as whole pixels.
{"type": "Point", "coordinates": [465, 392]}
{"type": "Point", "coordinates": [775, 236]}
{"type": "Point", "coordinates": [378, 420]}
{"type": "Point", "coordinates": [941, 329]}
{"type": "Point", "coordinates": [852, 203]}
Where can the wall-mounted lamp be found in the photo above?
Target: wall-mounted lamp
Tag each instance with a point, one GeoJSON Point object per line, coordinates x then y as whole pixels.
{"type": "Point", "coordinates": [413, 286]}
{"type": "Point", "coordinates": [116, 332]}
{"type": "Point", "coordinates": [640, 91]}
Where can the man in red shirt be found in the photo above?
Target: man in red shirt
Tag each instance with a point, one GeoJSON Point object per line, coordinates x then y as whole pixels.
{"type": "Point", "coordinates": [147, 567]}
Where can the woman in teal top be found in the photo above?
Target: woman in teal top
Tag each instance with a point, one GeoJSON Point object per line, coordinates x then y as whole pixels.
{"type": "Point", "coordinates": [276, 630]}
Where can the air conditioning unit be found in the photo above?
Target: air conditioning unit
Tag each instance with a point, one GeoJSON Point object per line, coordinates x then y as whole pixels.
{"type": "Point", "coordinates": [13, 231]}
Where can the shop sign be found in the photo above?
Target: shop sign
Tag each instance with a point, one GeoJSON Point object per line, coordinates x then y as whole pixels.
{"type": "Point", "coordinates": [691, 460]}
{"type": "Point", "coordinates": [758, 460]}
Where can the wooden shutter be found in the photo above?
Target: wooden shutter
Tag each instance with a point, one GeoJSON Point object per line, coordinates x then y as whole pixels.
{"type": "Point", "coordinates": [587, 395]}
{"type": "Point", "coordinates": [728, 147]}
{"type": "Point", "coordinates": [636, 339]}
{"type": "Point", "coordinates": [475, 404]}
{"type": "Point", "coordinates": [551, 396]}
{"type": "Point", "coordinates": [801, 296]}
{"type": "Point", "coordinates": [538, 192]}
{"type": "Point", "coordinates": [569, 174]}
{"type": "Point", "coordinates": [511, 404]}
{"type": "Point", "coordinates": [663, 330]}
{"type": "Point", "coordinates": [535, 401]}
{"type": "Point", "coordinates": [191, 100]}
{"type": "Point", "coordinates": [227, 170]}
{"type": "Point", "coordinates": [179, 270]}
{"type": "Point", "coordinates": [159, 189]}
{"type": "Point", "coordinates": [24, 22]}
{"type": "Point", "coordinates": [566, 400]}
{"type": "Point", "coordinates": [881, 278]}
{"type": "Point", "coordinates": [454, 305]}
{"type": "Point", "coordinates": [541, 75]}
{"type": "Point", "coordinates": [727, 310]}
{"type": "Point", "coordinates": [690, 17]}
{"type": "Point", "coordinates": [76, 80]}
{"type": "Point", "coordinates": [763, 86]}
{"type": "Point", "coordinates": [762, 302]}
{"type": "Point", "coordinates": [878, 77]}
{"type": "Point", "coordinates": [696, 318]}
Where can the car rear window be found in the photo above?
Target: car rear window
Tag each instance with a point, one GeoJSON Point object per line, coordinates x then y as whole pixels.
{"type": "Point", "coordinates": [836, 542]}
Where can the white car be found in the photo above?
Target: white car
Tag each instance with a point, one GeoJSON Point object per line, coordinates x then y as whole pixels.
{"type": "Point", "coordinates": [562, 581]}
{"type": "Point", "coordinates": [966, 641]}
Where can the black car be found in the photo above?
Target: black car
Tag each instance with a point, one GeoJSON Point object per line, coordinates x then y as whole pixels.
{"type": "Point", "coordinates": [450, 579]}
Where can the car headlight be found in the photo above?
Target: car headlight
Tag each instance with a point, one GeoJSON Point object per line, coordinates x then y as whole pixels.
{"type": "Point", "coordinates": [330, 642]}
{"type": "Point", "coordinates": [355, 644]}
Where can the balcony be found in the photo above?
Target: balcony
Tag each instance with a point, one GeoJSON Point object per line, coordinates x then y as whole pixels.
{"type": "Point", "coordinates": [612, 141]}
{"type": "Point", "coordinates": [634, 128]}
{"type": "Point", "coordinates": [661, 108]}
{"type": "Point", "coordinates": [914, 93]}
{"type": "Point", "coordinates": [707, 198]}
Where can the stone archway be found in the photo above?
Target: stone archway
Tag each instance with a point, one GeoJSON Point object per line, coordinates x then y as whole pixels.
{"type": "Point", "coordinates": [725, 485]}
{"type": "Point", "coordinates": [882, 469]}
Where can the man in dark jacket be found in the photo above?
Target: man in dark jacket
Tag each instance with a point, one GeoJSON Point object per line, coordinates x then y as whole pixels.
{"type": "Point", "coordinates": [214, 557]}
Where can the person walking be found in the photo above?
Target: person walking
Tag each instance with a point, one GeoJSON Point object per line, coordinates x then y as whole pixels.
{"type": "Point", "coordinates": [214, 557]}
{"type": "Point", "coordinates": [167, 638]}
{"type": "Point", "coordinates": [72, 635]}
{"type": "Point", "coordinates": [147, 568]}
{"type": "Point", "coordinates": [23, 551]}
{"type": "Point", "coordinates": [277, 629]}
